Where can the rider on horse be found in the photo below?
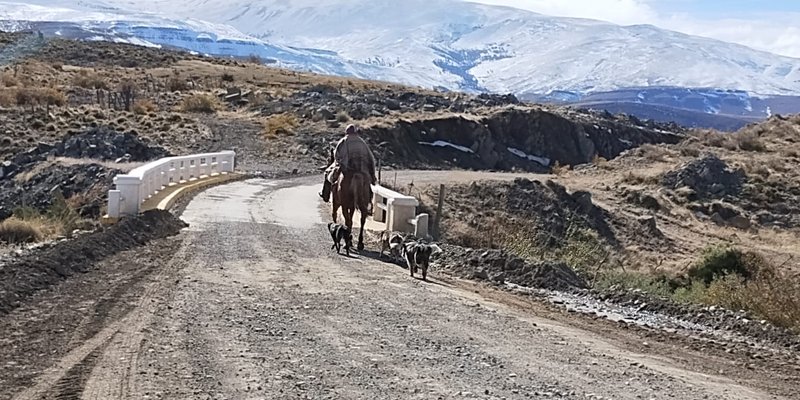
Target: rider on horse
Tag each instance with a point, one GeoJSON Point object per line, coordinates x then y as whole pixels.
{"type": "Point", "coordinates": [352, 154]}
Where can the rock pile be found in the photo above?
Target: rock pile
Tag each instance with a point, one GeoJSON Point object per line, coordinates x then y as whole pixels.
{"type": "Point", "coordinates": [499, 267]}
{"type": "Point", "coordinates": [707, 177]}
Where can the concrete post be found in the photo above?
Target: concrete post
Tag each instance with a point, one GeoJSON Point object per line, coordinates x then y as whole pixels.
{"type": "Point", "coordinates": [129, 187]}
{"type": "Point", "coordinates": [114, 200]}
{"type": "Point", "coordinates": [421, 227]}
{"type": "Point", "coordinates": [227, 159]}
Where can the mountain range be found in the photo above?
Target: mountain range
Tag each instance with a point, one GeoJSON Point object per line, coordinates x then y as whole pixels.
{"type": "Point", "coordinates": [453, 45]}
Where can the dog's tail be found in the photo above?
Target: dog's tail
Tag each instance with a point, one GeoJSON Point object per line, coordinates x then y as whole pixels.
{"type": "Point", "coordinates": [436, 250]}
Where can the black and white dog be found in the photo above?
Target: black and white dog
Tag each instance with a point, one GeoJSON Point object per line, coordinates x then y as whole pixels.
{"type": "Point", "coordinates": [392, 242]}
{"type": "Point", "coordinates": [339, 233]}
{"type": "Point", "coordinates": [418, 255]}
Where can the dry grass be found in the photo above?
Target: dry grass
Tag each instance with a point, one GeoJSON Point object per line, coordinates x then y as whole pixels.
{"type": "Point", "coordinates": [41, 96]}
{"type": "Point", "coordinates": [88, 80]}
{"type": "Point", "coordinates": [749, 141]}
{"type": "Point", "coordinates": [637, 178]}
{"type": "Point", "coordinates": [281, 124]}
{"type": "Point", "coordinates": [655, 153]}
{"type": "Point", "coordinates": [8, 97]}
{"type": "Point", "coordinates": [17, 231]}
{"type": "Point", "coordinates": [8, 80]}
{"type": "Point", "coordinates": [144, 106]}
{"type": "Point", "coordinates": [177, 84]}
{"type": "Point", "coordinates": [342, 117]}
{"type": "Point", "coordinates": [201, 103]}
{"type": "Point", "coordinates": [558, 170]}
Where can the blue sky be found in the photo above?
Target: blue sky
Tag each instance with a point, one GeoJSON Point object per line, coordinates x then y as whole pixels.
{"type": "Point", "coordinates": [769, 25]}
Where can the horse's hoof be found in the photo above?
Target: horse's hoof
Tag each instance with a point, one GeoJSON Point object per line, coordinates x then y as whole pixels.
{"type": "Point", "coordinates": [361, 246]}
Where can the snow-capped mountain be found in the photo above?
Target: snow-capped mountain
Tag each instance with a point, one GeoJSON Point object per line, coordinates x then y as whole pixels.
{"type": "Point", "coordinates": [474, 46]}
{"type": "Point", "coordinates": [452, 44]}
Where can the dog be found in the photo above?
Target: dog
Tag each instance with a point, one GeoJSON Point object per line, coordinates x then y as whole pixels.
{"type": "Point", "coordinates": [339, 233]}
{"type": "Point", "coordinates": [418, 255]}
{"type": "Point", "coordinates": [392, 242]}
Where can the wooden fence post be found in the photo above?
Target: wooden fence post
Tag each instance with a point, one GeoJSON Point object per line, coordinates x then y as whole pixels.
{"type": "Point", "coordinates": [437, 224]}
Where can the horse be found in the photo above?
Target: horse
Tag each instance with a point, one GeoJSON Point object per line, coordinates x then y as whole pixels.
{"type": "Point", "coordinates": [352, 192]}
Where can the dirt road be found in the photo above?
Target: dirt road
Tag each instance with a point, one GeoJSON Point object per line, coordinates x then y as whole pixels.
{"type": "Point", "coordinates": [250, 303]}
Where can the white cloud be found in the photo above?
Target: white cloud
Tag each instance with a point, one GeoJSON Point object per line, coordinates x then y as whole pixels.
{"type": "Point", "coordinates": [776, 33]}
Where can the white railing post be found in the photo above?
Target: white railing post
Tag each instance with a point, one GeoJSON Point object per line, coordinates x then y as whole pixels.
{"type": "Point", "coordinates": [129, 186]}
{"type": "Point", "coordinates": [227, 160]}
{"type": "Point", "coordinates": [114, 203]}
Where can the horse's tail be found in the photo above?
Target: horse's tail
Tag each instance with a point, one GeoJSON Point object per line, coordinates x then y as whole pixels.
{"type": "Point", "coordinates": [360, 189]}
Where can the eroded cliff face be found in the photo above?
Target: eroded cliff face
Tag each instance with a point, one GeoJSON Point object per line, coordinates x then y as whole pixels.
{"type": "Point", "coordinates": [523, 139]}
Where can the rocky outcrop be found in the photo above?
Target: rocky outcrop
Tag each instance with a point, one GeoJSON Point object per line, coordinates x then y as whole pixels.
{"type": "Point", "coordinates": [512, 139]}
{"type": "Point", "coordinates": [707, 178]}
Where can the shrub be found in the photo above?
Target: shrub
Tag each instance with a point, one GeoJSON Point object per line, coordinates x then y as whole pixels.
{"type": "Point", "coordinates": [51, 97]}
{"type": "Point", "coordinates": [16, 231]}
{"type": "Point", "coordinates": [8, 97]}
{"type": "Point", "coordinates": [281, 124]}
{"type": "Point", "coordinates": [654, 152]}
{"type": "Point", "coordinates": [749, 141]}
{"type": "Point", "coordinates": [721, 261]}
{"type": "Point", "coordinates": [254, 59]}
{"type": "Point", "coordinates": [144, 106]}
{"type": "Point", "coordinates": [635, 178]}
{"type": "Point", "coordinates": [558, 169]}
{"type": "Point", "coordinates": [227, 77]}
{"type": "Point", "coordinates": [202, 103]}
{"type": "Point", "coordinates": [342, 117]}
{"type": "Point", "coordinates": [176, 84]}
{"type": "Point", "coordinates": [89, 81]}
{"type": "Point", "coordinates": [8, 80]}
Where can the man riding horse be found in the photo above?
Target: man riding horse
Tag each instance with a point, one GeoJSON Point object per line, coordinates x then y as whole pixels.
{"type": "Point", "coordinates": [352, 154]}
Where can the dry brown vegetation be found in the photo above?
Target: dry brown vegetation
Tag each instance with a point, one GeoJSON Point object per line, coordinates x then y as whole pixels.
{"type": "Point", "coordinates": [8, 80]}
{"type": "Point", "coordinates": [89, 80]}
{"type": "Point", "coordinates": [200, 103]}
{"type": "Point", "coordinates": [144, 106]}
{"type": "Point", "coordinates": [17, 231]}
{"type": "Point", "coordinates": [280, 124]}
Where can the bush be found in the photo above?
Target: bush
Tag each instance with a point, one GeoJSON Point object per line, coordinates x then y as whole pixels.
{"type": "Point", "coordinates": [8, 80]}
{"type": "Point", "coordinates": [51, 97]}
{"type": "Point", "coordinates": [721, 261]}
{"type": "Point", "coordinates": [8, 97]}
{"type": "Point", "coordinates": [749, 141]}
{"type": "Point", "coordinates": [176, 84]}
{"type": "Point", "coordinates": [89, 81]}
{"type": "Point", "coordinates": [227, 77]}
{"type": "Point", "coordinates": [342, 117]}
{"type": "Point", "coordinates": [254, 59]}
{"type": "Point", "coordinates": [17, 231]}
{"type": "Point", "coordinates": [202, 103]}
{"type": "Point", "coordinates": [281, 124]}
{"type": "Point", "coordinates": [144, 106]}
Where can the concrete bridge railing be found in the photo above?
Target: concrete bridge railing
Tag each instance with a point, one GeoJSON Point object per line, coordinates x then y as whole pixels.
{"type": "Point", "coordinates": [398, 212]}
{"type": "Point", "coordinates": [143, 183]}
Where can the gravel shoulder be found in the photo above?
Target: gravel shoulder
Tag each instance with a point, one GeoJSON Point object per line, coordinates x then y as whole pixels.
{"type": "Point", "coordinates": [249, 302]}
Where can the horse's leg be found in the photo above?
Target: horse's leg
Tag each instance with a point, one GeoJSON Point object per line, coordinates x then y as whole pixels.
{"type": "Point", "coordinates": [361, 231]}
{"type": "Point", "coordinates": [348, 218]}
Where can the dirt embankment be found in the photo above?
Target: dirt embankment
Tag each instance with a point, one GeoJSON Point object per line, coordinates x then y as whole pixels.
{"type": "Point", "coordinates": [24, 276]}
{"type": "Point", "coordinates": [527, 139]}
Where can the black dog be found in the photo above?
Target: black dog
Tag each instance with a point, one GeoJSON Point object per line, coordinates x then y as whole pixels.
{"type": "Point", "coordinates": [339, 233]}
{"type": "Point", "coordinates": [419, 255]}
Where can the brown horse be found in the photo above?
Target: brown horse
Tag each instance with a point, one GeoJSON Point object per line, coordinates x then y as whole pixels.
{"type": "Point", "coordinates": [350, 193]}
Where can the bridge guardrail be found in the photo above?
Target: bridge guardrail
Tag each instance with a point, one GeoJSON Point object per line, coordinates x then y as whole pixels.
{"type": "Point", "coordinates": [398, 212]}
{"type": "Point", "coordinates": [142, 183]}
